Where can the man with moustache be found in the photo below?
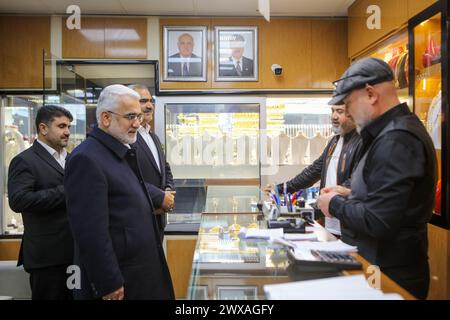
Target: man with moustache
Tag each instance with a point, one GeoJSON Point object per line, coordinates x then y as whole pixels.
{"type": "Point", "coordinates": [152, 160]}
{"type": "Point", "coordinates": [334, 166]}
{"type": "Point", "coordinates": [35, 188]}
{"type": "Point", "coordinates": [111, 213]}
{"type": "Point", "coordinates": [386, 210]}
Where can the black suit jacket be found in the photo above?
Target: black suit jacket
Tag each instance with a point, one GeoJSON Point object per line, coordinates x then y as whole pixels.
{"type": "Point", "coordinates": [35, 188]}
{"type": "Point", "coordinates": [174, 66]}
{"type": "Point", "coordinates": [161, 179]}
{"type": "Point", "coordinates": [228, 69]}
{"type": "Point", "coordinates": [113, 224]}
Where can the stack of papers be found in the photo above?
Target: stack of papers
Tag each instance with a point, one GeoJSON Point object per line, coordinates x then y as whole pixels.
{"type": "Point", "coordinates": [336, 288]}
{"type": "Point", "coordinates": [268, 234]}
{"type": "Point", "coordinates": [329, 246]}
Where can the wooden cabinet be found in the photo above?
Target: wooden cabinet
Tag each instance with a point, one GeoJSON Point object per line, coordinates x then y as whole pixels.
{"type": "Point", "coordinates": [9, 249]}
{"type": "Point", "coordinates": [287, 43]}
{"type": "Point", "coordinates": [106, 38]}
{"type": "Point", "coordinates": [88, 42]}
{"type": "Point", "coordinates": [328, 52]}
{"type": "Point", "coordinates": [416, 6]}
{"type": "Point", "coordinates": [125, 38]}
{"type": "Point", "coordinates": [180, 254]}
{"type": "Point", "coordinates": [439, 255]}
{"type": "Point", "coordinates": [393, 16]}
{"type": "Point", "coordinates": [21, 58]}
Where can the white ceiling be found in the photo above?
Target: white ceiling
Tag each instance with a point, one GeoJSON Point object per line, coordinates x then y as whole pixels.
{"type": "Point", "coordinates": [180, 7]}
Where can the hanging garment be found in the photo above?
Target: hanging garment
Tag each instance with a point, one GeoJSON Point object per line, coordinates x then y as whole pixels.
{"type": "Point", "coordinates": [299, 147]}
{"type": "Point", "coordinates": [316, 146]}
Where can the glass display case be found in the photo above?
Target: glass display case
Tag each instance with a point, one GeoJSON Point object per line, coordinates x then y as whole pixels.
{"type": "Point", "coordinates": [74, 85]}
{"type": "Point", "coordinates": [394, 51]}
{"type": "Point", "coordinates": [297, 131]}
{"type": "Point", "coordinates": [228, 267]}
{"type": "Point", "coordinates": [429, 87]}
{"type": "Point", "coordinates": [213, 151]}
{"type": "Point", "coordinates": [17, 114]}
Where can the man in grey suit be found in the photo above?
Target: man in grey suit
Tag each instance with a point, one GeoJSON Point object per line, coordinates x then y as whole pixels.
{"type": "Point", "coordinates": [184, 63]}
{"type": "Point", "coordinates": [237, 65]}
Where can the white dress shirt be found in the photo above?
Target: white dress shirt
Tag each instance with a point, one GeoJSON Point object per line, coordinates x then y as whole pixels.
{"type": "Point", "coordinates": [59, 157]}
{"type": "Point", "coordinates": [145, 133]}
{"type": "Point", "coordinates": [332, 224]}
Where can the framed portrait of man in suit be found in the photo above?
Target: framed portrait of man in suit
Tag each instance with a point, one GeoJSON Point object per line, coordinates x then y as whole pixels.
{"type": "Point", "coordinates": [236, 55]}
{"type": "Point", "coordinates": [184, 53]}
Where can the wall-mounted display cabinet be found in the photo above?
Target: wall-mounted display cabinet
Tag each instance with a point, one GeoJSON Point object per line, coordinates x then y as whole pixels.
{"type": "Point", "coordinates": [429, 87]}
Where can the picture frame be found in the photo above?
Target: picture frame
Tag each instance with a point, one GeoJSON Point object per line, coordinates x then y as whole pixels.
{"type": "Point", "coordinates": [236, 53]}
{"type": "Point", "coordinates": [185, 54]}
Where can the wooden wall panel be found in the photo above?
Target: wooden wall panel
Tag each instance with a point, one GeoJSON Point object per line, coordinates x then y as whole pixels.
{"type": "Point", "coordinates": [287, 43]}
{"type": "Point", "coordinates": [439, 254]}
{"type": "Point", "coordinates": [328, 53]}
{"type": "Point", "coordinates": [416, 6]}
{"type": "Point", "coordinates": [179, 85]}
{"type": "Point", "coordinates": [180, 254]}
{"type": "Point", "coordinates": [21, 61]}
{"type": "Point", "coordinates": [394, 14]}
{"type": "Point", "coordinates": [88, 42]}
{"type": "Point", "coordinates": [9, 249]}
{"type": "Point", "coordinates": [125, 38]}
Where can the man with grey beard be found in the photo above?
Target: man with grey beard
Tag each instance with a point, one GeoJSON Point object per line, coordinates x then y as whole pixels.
{"type": "Point", "coordinates": [111, 213]}
{"type": "Point", "coordinates": [386, 211]}
{"type": "Point", "coordinates": [334, 166]}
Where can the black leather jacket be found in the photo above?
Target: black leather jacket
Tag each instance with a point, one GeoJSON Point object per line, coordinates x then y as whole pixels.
{"type": "Point", "coordinates": [318, 169]}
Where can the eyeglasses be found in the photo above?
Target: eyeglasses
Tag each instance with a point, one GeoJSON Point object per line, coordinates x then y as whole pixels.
{"type": "Point", "coordinates": [145, 100]}
{"type": "Point", "coordinates": [130, 116]}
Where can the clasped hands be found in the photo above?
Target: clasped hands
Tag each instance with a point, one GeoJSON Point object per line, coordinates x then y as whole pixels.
{"type": "Point", "coordinates": [326, 194]}
{"type": "Point", "coordinates": [168, 202]}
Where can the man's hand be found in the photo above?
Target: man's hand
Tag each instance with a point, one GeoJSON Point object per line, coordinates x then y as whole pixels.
{"type": "Point", "coordinates": [268, 188]}
{"type": "Point", "coordinates": [168, 201]}
{"type": "Point", "coordinates": [342, 191]}
{"type": "Point", "coordinates": [116, 295]}
{"type": "Point", "coordinates": [323, 202]}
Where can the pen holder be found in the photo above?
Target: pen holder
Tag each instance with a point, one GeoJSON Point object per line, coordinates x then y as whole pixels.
{"type": "Point", "coordinates": [284, 209]}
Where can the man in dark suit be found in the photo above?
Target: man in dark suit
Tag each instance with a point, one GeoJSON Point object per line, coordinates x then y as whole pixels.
{"type": "Point", "coordinates": [237, 65]}
{"type": "Point", "coordinates": [184, 63]}
{"type": "Point", "coordinates": [35, 188]}
{"type": "Point", "coordinates": [155, 168]}
{"type": "Point", "coordinates": [111, 213]}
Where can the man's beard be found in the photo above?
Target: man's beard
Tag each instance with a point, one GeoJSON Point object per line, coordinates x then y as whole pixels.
{"type": "Point", "coordinates": [337, 130]}
{"type": "Point", "coordinates": [114, 130]}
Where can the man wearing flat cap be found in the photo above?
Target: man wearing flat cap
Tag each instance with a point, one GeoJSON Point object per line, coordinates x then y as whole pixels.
{"type": "Point", "coordinates": [386, 210]}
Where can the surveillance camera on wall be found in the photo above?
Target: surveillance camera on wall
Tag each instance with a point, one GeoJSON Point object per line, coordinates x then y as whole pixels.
{"type": "Point", "coordinates": [277, 69]}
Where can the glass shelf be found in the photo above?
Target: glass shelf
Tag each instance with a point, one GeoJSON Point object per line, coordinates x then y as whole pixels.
{"type": "Point", "coordinates": [427, 69]}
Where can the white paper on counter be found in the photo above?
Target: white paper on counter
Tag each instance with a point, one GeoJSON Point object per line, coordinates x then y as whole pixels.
{"type": "Point", "coordinates": [336, 288]}
{"type": "Point", "coordinates": [330, 246]}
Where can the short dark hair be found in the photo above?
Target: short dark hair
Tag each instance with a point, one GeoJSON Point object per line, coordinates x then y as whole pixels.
{"type": "Point", "coordinates": [48, 113]}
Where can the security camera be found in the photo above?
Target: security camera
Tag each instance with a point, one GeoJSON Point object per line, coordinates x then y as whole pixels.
{"type": "Point", "coordinates": [277, 69]}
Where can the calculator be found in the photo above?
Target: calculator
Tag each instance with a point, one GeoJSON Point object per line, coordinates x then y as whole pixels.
{"type": "Point", "coordinates": [319, 260]}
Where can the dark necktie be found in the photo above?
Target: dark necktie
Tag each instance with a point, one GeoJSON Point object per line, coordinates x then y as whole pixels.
{"type": "Point", "coordinates": [132, 162]}
{"type": "Point", "coordinates": [238, 68]}
{"type": "Point", "coordinates": [185, 69]}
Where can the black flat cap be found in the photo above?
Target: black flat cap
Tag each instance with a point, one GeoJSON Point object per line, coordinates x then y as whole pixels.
{"type": "Point", "coordinates": [362, 72]}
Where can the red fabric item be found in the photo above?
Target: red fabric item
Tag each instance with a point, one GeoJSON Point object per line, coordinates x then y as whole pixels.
{"type": "Point", "coordinates": [437, 204]}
